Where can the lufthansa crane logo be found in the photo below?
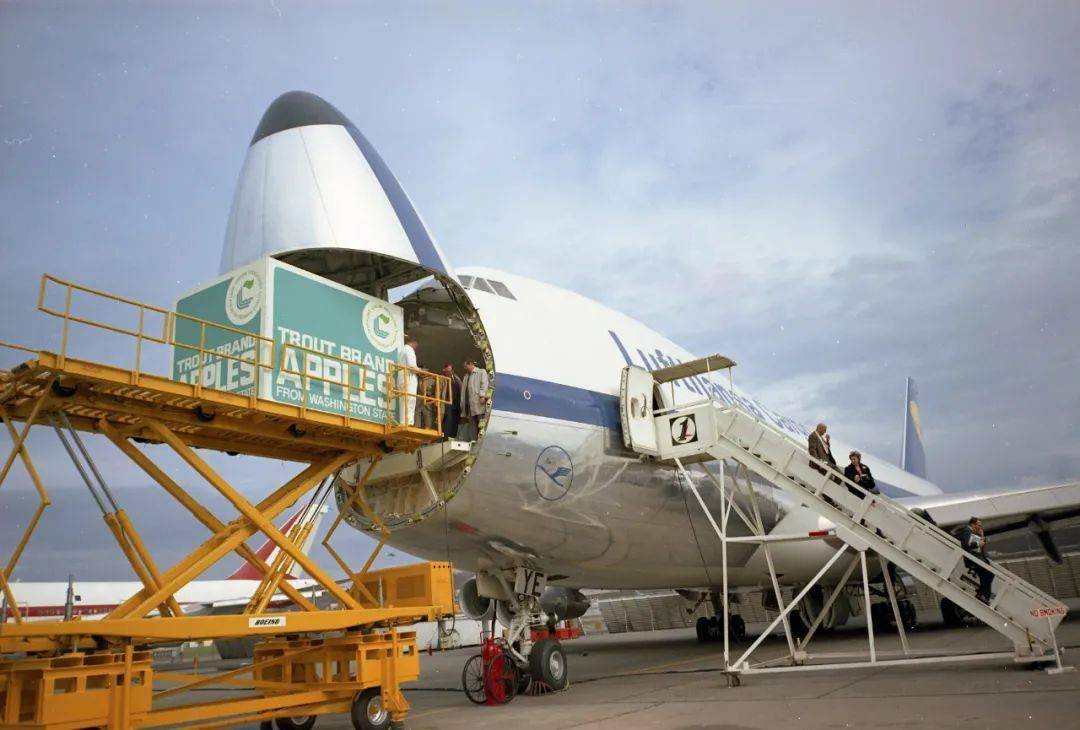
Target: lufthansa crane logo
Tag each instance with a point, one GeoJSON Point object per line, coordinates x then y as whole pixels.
{"type": "Point", "coordinates": [683, 429]}
{"type": "Point", "coordinates": [554, 473]}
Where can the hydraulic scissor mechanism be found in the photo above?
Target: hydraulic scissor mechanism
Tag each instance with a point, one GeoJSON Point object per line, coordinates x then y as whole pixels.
{"type": "Point", "coordinates": [869, 529]}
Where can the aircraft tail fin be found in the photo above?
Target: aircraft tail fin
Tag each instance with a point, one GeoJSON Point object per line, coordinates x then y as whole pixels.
{"type": "Point", "coordinates": [912, 456]}
{"type": "Point", "coordinates": [268, 551]}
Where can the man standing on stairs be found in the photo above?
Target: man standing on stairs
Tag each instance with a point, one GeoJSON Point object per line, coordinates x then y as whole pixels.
{"type": "Point", "coordinates": [973, 540]}
{"type": "Point", "coordinates": [818, 446]}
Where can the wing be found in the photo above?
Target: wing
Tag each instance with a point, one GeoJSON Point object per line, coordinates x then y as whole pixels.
{"type": "Point", "coordinates": [1035, 509]}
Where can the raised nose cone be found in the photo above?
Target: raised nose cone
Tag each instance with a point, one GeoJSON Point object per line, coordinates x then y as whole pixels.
{"type": "Point", "coordinates": [312, 183]}
{"type": "Point", "coordinates": [295, 109]}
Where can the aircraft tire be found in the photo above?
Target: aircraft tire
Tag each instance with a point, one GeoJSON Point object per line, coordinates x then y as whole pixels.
{"type": "Point", "coordinates": [952, 614]}
{"type": "Point", "coordinates": [547, 664]}
{"type": "Point", "coordinates": [702, 628]}
{"type": "Point", "coordinates": [908, 614]}
{"type": "Point", "coordinates": [799, 628]}
{"type": "Point", "coordinates": [737, 627]}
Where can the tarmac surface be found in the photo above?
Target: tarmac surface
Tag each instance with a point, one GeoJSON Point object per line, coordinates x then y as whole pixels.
{"type": "Point", "coordinates": [666, 679]}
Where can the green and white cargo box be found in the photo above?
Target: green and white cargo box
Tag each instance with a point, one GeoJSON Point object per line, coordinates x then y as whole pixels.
{"type": "Point", "coordinates": [269, 314]}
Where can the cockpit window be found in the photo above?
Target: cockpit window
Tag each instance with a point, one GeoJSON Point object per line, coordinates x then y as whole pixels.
{"type": "Point", "coordinates": [482, 286]}
{"type": "Point", "coordinates": [466, 281]}
{"type": "Point", "coordinates": [501, 289]}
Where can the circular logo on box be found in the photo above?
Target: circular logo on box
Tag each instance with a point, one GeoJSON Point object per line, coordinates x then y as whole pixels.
{"type": "Point", "coordinates": [380, 326]}
{"type": "Point", "coordinates": [243, 297]}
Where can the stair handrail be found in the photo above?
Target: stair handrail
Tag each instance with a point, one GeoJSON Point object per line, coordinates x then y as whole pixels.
{"type": "Point", "coordinates": [923, 524]}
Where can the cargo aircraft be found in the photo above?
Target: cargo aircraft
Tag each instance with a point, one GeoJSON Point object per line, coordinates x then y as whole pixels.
{"type": "Point", "coordinates": [548, 498]}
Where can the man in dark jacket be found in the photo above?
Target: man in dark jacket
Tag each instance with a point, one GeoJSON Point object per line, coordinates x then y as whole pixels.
{"type": "Point", "coordinates": [973, 540]}
{"type": "Point", "coordinates": [859, 473]}
{"type": "Point", "coordinates": [452, 411]}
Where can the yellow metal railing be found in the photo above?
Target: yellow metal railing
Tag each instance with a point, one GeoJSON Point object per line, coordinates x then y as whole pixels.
{"type": "Point", "coordinates": [70, 288]}
{"type": "Point", "coordinates": [400, 398]}
{"type": "Point", "coordinates": [431, 397]}
{"type": "Point", "coordinates": [208, 354]}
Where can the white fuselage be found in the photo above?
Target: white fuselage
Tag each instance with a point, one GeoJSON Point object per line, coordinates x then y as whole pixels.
{"type": "Point", "coordinates": [617, 521]}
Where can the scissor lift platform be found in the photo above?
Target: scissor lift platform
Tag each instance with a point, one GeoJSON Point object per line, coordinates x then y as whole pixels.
{"type": "Point", "coordinates": [74, 673]}
{"type": "Point", "coordinates": [202, 417]}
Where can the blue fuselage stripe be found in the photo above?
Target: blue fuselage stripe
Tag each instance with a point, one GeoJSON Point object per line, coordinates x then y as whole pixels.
{"type": "Point", "coordinates": [534, 397]}
{"type": "Point", "coordinates": [529, 396]}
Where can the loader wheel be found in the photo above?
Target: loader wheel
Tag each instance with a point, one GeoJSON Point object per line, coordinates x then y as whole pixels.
{"type": "Point", "coordinates": [295, 723]}
{"type": "Point", "coordinates": [369, 712]}
{"type": "Point", "coordinates": [63, 391]}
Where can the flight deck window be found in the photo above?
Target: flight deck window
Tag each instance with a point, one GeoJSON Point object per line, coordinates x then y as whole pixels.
{"type": "Point", "coordinates": [466, 281]}
{"type": "Point", "coordinates": [501, 289]}
{"type": "Point", "coordinates": [482, 286]}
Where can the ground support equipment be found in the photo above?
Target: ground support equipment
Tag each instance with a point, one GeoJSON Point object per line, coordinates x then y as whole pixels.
{"type": "Point", "coordinates": [345, 656]}
{"type": "Point", "coordinates": [866, 527]}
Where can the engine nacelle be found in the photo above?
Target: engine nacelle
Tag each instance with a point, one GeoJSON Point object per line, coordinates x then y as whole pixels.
{"type": "Point", "coordinates": [564, 603]}
{"type": "Point", "coordinates": [473, 604]}
{"type": "Point", "coordinates": [691, 596]}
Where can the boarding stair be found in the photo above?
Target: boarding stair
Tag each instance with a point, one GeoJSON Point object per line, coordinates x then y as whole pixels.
{"type": "Point", "coordinates": [715, 430]}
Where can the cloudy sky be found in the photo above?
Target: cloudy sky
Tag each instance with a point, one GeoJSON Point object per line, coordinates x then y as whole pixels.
{"type": "Point", "coordinates": [836, 195]}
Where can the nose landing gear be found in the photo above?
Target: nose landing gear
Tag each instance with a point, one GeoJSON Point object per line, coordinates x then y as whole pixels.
{"type": "Point", "coordinates": [507, 666]}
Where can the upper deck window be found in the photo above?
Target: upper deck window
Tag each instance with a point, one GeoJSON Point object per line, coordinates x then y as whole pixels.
{"type": "Point", "coordinates": [501, 289]}
{"type": "Point", "coordinates": [482, 285]}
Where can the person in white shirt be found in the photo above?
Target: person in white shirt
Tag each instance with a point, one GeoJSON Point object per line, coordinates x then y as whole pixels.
{"type": "Point", "coordinates": [411, 381]}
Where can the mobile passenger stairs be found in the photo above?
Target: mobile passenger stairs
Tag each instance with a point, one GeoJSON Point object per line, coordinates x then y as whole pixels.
{"type": "Point", "coordinates": [864, 524]}
{"type": "Point", "coordinates": [348, 656]}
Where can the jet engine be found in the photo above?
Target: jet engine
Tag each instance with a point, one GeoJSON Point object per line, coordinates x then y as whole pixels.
{"type": "Point", "coordinates": [564, 603]}
{"type": "Point", "coordinates": [473, 604]}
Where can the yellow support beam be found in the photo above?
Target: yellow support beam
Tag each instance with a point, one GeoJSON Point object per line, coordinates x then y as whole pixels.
{"type": "Point", "coordinates": [254, 515]}
{"type": "Point", "coordinates": [231, 536]}
{"type": "Point", "coordinates": [177, 628]}
{"type": "Point", "coordinates": [357, 586]}
{"type": "Point", "coordinates": [203, 515]}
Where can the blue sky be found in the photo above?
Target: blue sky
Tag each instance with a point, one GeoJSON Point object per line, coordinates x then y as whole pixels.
{"type": "Point", "coordinates": [836, 195]}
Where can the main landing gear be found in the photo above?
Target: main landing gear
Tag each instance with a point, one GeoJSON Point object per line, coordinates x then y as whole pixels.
{"type": "Point", "coordinates": [712, 628]}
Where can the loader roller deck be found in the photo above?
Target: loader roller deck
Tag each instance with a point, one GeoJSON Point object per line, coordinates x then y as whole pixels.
{"type": "Point", "coordinates": [202, 417]}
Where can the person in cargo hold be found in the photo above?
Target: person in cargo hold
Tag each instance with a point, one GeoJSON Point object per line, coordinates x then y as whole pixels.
{"type": "Point", "coordinates": [474, 390]}
{"type": "Point", "coordinates": [452, 410]}
{"type": "Point", "coordinates": [410, 380]}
